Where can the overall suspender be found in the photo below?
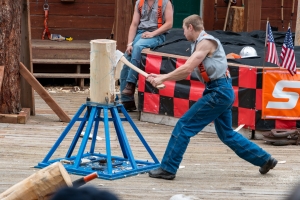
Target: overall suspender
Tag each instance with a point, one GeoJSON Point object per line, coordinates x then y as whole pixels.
{"type": "Point", "coordinates": [159, 11]}
{"type": "Point", "coordinates": [202, 69]}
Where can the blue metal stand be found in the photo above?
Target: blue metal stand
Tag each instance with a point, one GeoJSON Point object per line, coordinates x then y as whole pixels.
{"type": "Point", "coordinates": [106, 165]}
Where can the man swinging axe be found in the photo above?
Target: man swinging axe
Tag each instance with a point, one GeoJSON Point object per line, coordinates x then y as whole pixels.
{"type": "Point", "coordinates": [209, 61]}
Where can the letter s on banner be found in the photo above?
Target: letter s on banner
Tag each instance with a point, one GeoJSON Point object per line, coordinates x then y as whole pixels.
{"type": "Point", "coordinates": [279, 93]}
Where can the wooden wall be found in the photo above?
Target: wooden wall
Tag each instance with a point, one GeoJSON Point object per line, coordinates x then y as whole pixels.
{"type": "Point", "coordinates": [81, 19]}
{"type": "Point", "coordinates": [269, 8]}
{"type": "Point", "coordinates": [272, 9]}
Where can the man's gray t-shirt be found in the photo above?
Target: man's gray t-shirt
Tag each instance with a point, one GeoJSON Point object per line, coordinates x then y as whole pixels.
{"type": "Point", "coordinates": [216, 65]}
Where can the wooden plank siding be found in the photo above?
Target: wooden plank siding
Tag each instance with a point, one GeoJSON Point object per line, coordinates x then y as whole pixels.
{"type": "Point", "coordinates": [82, 19]}
{"type": "Point", "coordinates": [269, 8]}
{"type": "Point", "coordinates": [272, 9]}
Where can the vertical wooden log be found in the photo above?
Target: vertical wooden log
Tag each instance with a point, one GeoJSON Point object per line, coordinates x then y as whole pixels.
{"type": "Point", "coordinates": [102, 61]}
{"type": "Point", "coordinates": [40, 185]}
{"type": "Point", "coordinates": [236, 19]}
{"type": "Point", "coordinates": [297, 30]}
{"type": "Point", "coordinates": [10, 26]}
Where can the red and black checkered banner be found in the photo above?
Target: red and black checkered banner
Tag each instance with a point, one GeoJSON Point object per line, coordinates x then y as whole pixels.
{"type": "Point", "coordinates": [179, 96]}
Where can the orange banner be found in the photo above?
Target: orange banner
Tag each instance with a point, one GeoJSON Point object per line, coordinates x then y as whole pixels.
{"type": "Point", "coordinates": [281, 93]}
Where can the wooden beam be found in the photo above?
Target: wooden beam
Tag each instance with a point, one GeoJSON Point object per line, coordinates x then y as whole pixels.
{"type": "Point", "coordinates": [297, 30]}
{"type": "Point", "coordinates": [252, 15]}
{"type": "Point", "coordinates": [43, 93]}
{"type": "Point", "coordinates": [20, 118]}
{"type": "Point", "coordinates": [27, 94]}
{"type": "Point", "coordinates": [60, 75]}
{"type": "Point", "coordinates": [123, 16]}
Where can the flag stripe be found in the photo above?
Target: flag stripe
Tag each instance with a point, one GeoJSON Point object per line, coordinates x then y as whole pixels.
{"type": "Point", "coordinates": [272, 55]}
{"type": "Point", "coordinates": [288, 54]}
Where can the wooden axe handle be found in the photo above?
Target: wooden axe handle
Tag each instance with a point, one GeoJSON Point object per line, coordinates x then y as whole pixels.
{"type": "Point", "coordinates": [138, 70]}
{"type": "Point", "coordinates": [226, 18]}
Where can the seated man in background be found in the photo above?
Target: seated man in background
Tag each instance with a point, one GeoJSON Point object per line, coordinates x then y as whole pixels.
{"type": "Point", "coordinates": [150, 23]}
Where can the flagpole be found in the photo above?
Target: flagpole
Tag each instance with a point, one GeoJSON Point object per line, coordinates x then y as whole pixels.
{"type": "Point", "coordinates": [265, 43]}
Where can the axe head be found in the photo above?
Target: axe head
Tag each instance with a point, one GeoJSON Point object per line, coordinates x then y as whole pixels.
{"type": "Point", "coordinates": [118, 56]}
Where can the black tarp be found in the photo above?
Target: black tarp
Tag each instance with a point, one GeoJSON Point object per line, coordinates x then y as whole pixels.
{"type": "Point", "coordinates": [232, 42]}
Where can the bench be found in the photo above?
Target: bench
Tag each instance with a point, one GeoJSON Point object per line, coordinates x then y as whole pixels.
{"type": "Point", "coordinates": [75, 53]}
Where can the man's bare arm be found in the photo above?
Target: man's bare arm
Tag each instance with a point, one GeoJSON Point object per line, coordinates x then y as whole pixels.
{"type": "Point", "coordinates": [134, 24]}
{"type": "Point", "coordinates": [203, 48]}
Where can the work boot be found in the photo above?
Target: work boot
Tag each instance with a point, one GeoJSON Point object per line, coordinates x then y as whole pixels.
{"type": "Point", "coordinates": [129, 105]}
{"type": "Point", "coordinates": [160, 173]}
{"type": "Point", "coordinates": [269, 165]}
{"type": "Point", "coordinates": [129, 89]}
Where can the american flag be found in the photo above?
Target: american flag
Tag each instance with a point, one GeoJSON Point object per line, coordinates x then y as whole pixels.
{"type": "Point", "coordinates": [272, 56]}
{"type": "Point", "coordinates": [288, 54]}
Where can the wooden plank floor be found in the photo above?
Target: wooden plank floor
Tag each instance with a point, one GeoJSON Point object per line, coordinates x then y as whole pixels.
{"type": "Point", "coordinates": [211, 170]}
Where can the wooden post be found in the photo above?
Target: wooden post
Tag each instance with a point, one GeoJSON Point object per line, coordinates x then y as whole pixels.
{"type": "Point", "coordinates": [123, 16]}
{"type": "Point", "coordinates": [40, 185]}
{"type": "Point", "coordinates": [102, 81]}
{"type": "Point", "coordinates": [297, 30]}
{"type": "Point", "coordinates": [27, 93]}
{"type": "Point", "coordinates": [252, 15]}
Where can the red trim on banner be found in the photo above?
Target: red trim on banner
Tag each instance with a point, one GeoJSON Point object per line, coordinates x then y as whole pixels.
{"type": "Point", "coordinates": [258, 100]}
{"type": "Point", "coordinates": [247, 117]}
{"type": "Point", "coordinates": [151, 103]}
{"type": "Point", "coordinates": [196, 90]}
{"type": "Point", "coordinates": [153, 63]}
{"type": "Point", "coordinates": [285, 124]}
{"type": "Point", "coordinates": [236, 94]}
{"type": "Point", "coordinates": [247, 77]}
{"type": "Point", "coordinates": [180, 106]}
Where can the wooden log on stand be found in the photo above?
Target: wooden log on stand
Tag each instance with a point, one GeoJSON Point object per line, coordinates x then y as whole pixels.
{"type": "Point", "coordinates": [102, 80]}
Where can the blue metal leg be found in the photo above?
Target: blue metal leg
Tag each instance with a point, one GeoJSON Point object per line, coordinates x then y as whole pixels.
{"type": "Point", "coordinates": [63, 134]}
{"type": "Point", "coordinates": [96, 126]}
{"type": "Point", "coordinates": [77, 135]}
{"type": "Point", "coordinates": [118, 127]}
{"type": "Point", "coordinates": [124, 139]}
{"type": "Point", "coordinates": [107, 140]}
{"type": "Point", "coordinates": [85, 137]}
{"type": "Point", "coordinates": [140, 136]}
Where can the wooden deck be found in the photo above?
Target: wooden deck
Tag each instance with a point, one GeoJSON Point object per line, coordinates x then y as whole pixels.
{"type": "Point", "coordinates": [210, 169]}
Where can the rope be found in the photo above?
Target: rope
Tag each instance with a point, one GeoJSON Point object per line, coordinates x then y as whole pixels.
{"type": "Point", "coordinates": [46, 30]}
{"type": "Point", "coordinates": [282, 14]}
{"type": "Point", "coordinates": [292, 13]}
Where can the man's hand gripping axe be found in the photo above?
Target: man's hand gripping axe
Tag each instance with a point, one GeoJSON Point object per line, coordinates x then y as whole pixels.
{"type": "Point", "coordinates": [120, 57]}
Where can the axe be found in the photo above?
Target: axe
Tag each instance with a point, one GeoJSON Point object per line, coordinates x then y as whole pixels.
{"type": "Point", "coordinates": [120, 57]}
